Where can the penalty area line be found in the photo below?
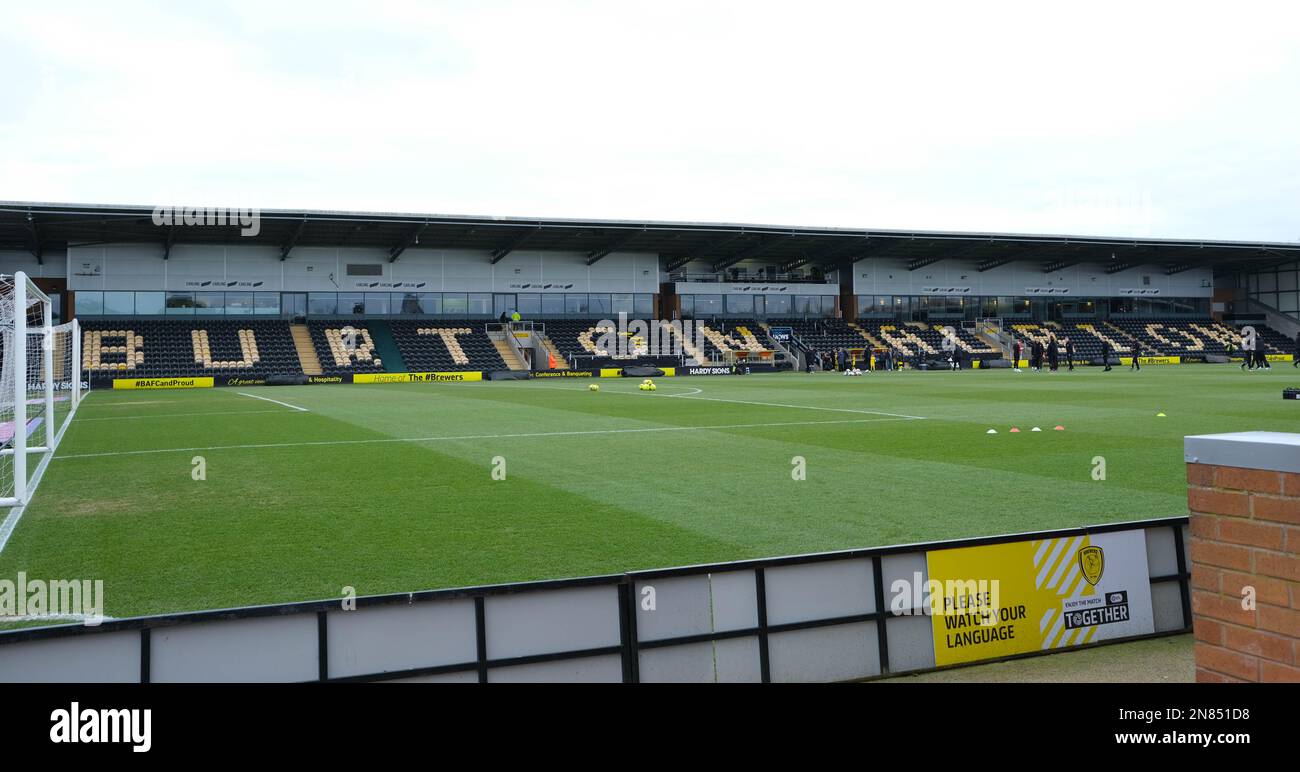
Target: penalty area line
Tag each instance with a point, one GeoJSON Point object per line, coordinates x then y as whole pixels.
{"type": "Point", "coordinates": [523, 435]}
{"type": "Point", "coordinates": [276, 401]}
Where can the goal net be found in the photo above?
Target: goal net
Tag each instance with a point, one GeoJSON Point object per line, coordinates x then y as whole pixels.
{"type": "Point", "coordinates": [40, 385]}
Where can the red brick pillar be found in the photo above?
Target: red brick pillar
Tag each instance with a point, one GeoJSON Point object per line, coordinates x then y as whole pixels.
{"type": "Point", "coordinates": [1244, 496]}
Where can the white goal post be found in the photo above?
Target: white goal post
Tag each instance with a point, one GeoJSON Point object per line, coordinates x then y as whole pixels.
{"type": "Point", "coordinates": [40, 385]}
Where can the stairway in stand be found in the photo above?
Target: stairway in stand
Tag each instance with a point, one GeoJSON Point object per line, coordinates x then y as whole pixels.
{"type": "Point", "coordinates": [508, 354]}
{"type": "Point", "coordinates": [549, 345]}
{"type": "Point", "coordinates": [385, 346]}
{"type": "Point", "coordinates": [307, 358]}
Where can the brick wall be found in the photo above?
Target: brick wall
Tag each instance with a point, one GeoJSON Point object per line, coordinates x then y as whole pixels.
{"type": "Point", "coordinates": [1245, 528]}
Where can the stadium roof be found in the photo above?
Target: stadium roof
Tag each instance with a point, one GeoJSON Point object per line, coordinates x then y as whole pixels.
{"type": "Point", "coordinates": [40, 227]}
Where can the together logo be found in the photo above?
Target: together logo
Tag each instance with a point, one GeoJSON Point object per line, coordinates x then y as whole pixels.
{"type": "Point", "coordinates": [106, 725]}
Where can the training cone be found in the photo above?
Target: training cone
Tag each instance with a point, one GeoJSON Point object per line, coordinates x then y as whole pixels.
{"type": "Point", "coordinates": [1035, 429]}
{"type": "Point", "coordinates": [1058, 428]}
{"type": "Point", "coordinates": [1014, 430]}
{"type": "Point", "coordinates": [991, 431]}
{"type": "Point", "coordinates": [1161, 415]}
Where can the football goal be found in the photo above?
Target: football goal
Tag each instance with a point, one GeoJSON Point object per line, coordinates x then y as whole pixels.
{"type": "Point", "coordinates": [40, 385]}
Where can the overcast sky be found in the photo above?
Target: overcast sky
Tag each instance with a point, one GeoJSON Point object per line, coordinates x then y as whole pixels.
{"type": "Point", "coordinates": [1111, 119]}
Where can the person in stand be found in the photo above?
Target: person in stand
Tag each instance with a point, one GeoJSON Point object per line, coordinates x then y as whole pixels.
{"type": "Point", "coordinates": [1137, 358]}
{"type": "Point", "coordinates": [1069, 353]}
{"type": "Point", "coordinates": [1015, 355]}
{"type": "Point", "coordinates": [1053, 354]}
{"type": "Point", "coordinates": [1105, 355]}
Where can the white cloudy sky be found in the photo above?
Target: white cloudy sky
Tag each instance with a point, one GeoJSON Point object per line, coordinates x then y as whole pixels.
{"type": "Point", "coordinates": [1175, 120]}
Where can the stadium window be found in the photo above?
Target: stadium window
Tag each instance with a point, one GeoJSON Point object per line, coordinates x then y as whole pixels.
{"type": "Point", "coordinates": [409, 303]}
{"type": "Point", "coordinates": [351, 304]}
{"type": "Point", "coordinates": [687, 305]}
{"type": "Point", "coordinates": [575, 304]}
{"type": "Point", "coordinates": [322, 304]}
{"type": "Point", "coordinates": [803, 302]}
{"type": "Point", "coordinates": [264, 303]}
{"type": "Point", "coordinates": [529, 304]}
{"type": "Point", "coordinates": [599, 303]}
{"type": "Point", "coordinates": [377, 303]}
{"type": "Point", "coordinates": [828, 305]}
{"type": "Point", "coordinates": [778, 305]}
{"type": "Point", "coordinates": [119, 303]}
{"type": "Point", "coordinates": [480, 304]}
{"type": "Point", "coordinates": [90, 303]}
{"type": "Point", "coordinates": [553, 304]}
{"type": "Point", "coordinates": [431, 302]}
{"type": "Point", "coordinates": [180, 303]}
{"type": "Point", "coordinates": [146, 303]}
{"type": "Point", "coordinates": [209, 302]}
{"type": "Point", "coordinates": [707, 305]}
{"type": "Point", "coordinates": [365, 269]}
{"type": "Point", "coordinates": [455, 303]}
{"type": "Point", "coordinates": [1286, 281]}
{"type": "Point", "coordinates": [239, 303]}
{"type": "Point", "coordinates": [1288, 302]}
{"type": "Point", "coordinates": [740, 304]}
{"type": "Point", "coordinates": [621, 304]}
{"type": "Point", "coordinates": [643, 305]}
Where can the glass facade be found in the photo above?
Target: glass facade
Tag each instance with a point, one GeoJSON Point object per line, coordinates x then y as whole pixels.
{"type": "Point", "coordinates": [920, 307]}
{"type": "Point", "coordinates": [1278, 288]}
{"type": "Point", "coordinates": [455, 304]}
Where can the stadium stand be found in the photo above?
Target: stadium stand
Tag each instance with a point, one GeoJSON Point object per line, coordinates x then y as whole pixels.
{"type": "Point", "coordinates": [440, 345]}
{"type": "Point", "coordinates": [148, 348]}
{"type": "Point", "coordinates": [1157, 337]}
{"type": "Point", "coordinates": [336, 357]}
{"type": "Point", "coordinates": [824, 335]}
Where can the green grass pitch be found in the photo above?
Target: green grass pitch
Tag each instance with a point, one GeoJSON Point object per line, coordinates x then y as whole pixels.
{"type": "Point", "coordinates": [390, 488]}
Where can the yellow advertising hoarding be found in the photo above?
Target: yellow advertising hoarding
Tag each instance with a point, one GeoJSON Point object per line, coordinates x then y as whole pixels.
{"type": "Point", "coordinates": [162, 383]}
{"type": "Point", "coordinates": [998, 600]}
{"type": "Point", "coordinates": [469, 375]}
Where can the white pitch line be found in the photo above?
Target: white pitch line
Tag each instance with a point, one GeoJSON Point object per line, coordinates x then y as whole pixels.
{"type": "Point", "coordinates": [276, 401]}
{"type": "Point", "coordinates": [527, 435]}
{"type": "Point", "coordinates": [181, 415]}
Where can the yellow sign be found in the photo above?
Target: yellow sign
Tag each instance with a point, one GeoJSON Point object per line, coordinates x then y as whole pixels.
{"type": "Point", "coordinates": [162, 383]}
{"type": "Point", "coordinates": [1280, 357]}
{"type": "Point", "coordinates": [469, 375]}
{"type": "Point", "coordinates": [1152, 360]}
{"type": "Point", "coordinates": [610, 372]}
{"type": "Point", "coordinates": [997, 600]}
